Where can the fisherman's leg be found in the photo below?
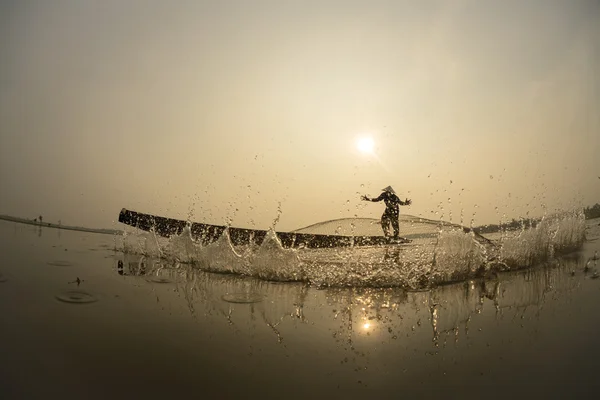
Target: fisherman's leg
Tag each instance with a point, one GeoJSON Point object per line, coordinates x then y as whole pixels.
{"type": "Point", "coordinates": [396, 226]}
{"type": "Point", "coordinates": [385, 225]}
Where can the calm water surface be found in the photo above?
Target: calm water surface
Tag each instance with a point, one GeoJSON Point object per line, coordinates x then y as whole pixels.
{"type": "Point", "coordinates": [81, 320]}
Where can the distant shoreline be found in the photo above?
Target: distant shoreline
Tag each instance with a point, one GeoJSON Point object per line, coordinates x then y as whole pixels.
{"type": "Point", "coordinates": [59, 226]}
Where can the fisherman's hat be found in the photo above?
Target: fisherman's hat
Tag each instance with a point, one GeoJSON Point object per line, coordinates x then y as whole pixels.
{"type": "Point", "coordinates": [389, 189]}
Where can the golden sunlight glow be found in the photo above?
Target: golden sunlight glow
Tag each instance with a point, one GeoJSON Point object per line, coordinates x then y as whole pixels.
{"type": "Point", "coordinates": [365, 145]}
{"type": "Point", "coordinates": [367, 325]}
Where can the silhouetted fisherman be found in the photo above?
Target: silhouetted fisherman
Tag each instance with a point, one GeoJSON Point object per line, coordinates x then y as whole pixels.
{"type": "Point", "coordinates": [392, 210]}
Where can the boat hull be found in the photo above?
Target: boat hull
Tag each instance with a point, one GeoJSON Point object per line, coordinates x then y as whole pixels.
{"type": "Point", "coordinates": [207, 233]}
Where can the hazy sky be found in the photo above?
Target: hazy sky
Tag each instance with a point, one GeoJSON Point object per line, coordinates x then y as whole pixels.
{"type": "Point", "coordinates": [172, 107]}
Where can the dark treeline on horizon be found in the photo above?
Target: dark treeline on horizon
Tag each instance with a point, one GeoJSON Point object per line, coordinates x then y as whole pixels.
{"type": "Point", "coordinates": [589, 212]}
{"type": "Point", "coordinates": [512, 225]}
{"type": "Point", "coordinates": [592, 212]}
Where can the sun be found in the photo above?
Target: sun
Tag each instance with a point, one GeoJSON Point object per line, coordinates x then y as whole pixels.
{"type": "Point", "coordinates": [365, 145]}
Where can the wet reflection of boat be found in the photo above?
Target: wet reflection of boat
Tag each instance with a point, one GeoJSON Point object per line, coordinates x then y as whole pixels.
{"type": "Point", "coordinates": [354, 312]}
{"type": "Point", "coordinates": [519, 290]}
{"type": "Point", "coordinates": [453, 305]}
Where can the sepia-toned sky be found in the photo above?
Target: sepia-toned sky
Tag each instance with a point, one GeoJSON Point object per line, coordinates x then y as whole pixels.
{"type": "Point", "coordinates": [223, 110]}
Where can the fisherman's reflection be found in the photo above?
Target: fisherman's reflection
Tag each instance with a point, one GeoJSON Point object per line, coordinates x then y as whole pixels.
{"type": "Point", "coordinates": [392, 254]}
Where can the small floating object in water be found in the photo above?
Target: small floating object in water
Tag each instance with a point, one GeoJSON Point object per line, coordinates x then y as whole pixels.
{"type": "Point", "coordinates": [76, 297]}
{"type": "Point", "coordinates": [242, 298]}
{"type": "Point", "coordinates": [595, 275]}
{"type": "Point", "coordinates": [77, 281]}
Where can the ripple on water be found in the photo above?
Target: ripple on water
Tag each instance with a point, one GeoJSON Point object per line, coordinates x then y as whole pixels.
{"type": "Point", "coordinates": [160, 279]}
{"type": "Point", "coordinates": [244, 298]}
{"type": "Point", "coordinates": [60, 263]}
{"type": "Point", "coordinates": [76, 297]}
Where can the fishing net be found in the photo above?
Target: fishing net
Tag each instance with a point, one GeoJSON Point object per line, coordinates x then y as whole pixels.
{"type": "Point", "coordinates": [410, 227]}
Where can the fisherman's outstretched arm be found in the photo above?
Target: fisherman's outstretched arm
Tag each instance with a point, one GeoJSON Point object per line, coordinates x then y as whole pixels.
{"type": "Point", "coordinates": [367, 198]}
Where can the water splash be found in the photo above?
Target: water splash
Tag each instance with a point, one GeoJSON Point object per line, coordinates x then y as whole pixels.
{"type": "Point", "coordinates": [146, 243]}
{"type": "Point", "coordinates": [183, 247]}
{"type": "Point", "coordinates": [273, 262]}
{"type": "Point", "coordinates": [556, 234]}
{"type": "Point", "coordinates": [452, 254]}
{"type": "Point", "coordinates": [221, 256]}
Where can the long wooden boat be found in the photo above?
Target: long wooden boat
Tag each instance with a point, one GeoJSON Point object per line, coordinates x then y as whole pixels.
{"type": "Point", "coordinates": [207, 233]}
